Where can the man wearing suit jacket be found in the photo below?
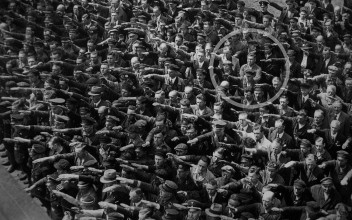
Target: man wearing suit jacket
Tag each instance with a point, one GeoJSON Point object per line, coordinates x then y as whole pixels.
{"type": "Point", "coordinates": [333, 137]}
{"type": "Point", "coordinates": [326, 195]}
{"type": "Point", "coordinates": [325, 61]}
{"type": "Point", "coordinates": [336, 113]}
{"type": "Point", "coordinates": [303, 99]}
{"type": "Point", "coordinates": [243, 124]}
{"type": "Point", "coordinates": [279, 133]}
{"type": "Point", "coordinates": [96, 93]}
{"type": "Point", "coordinates": [308, 171]}
{"type": "Point", "coordinates": [306, 58]}
{"type": "Point", "coordinates": [286, 12]}
{"type": "Point", "coordinates": [212, 195]}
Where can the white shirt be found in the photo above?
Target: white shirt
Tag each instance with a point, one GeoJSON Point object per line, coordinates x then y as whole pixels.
{"type": "Point", "coordinates": [304, 61]}
{"type": "Point", "coordinates": [327, 62]}
{"type": "Point", "coordinates": [304, 98]}
{"type": "Point", "coordinates": [338, 116]}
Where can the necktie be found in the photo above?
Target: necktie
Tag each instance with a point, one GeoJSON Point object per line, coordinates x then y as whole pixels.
{"type": "Point", "coordinates": [308, 173]}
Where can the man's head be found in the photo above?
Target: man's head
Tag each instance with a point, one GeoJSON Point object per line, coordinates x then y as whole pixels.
{"type": "Point", "coordinates": [202, 165]}
{"type": "Point", "coordinates": [279, 125]}
{"type": "Point", "coordinates": [311, 161]}
{"type": "Point", "coordinates": [337, 105]}
{"type": "Point", "coordinates": [182, 171]}
{"type": "Point", "coordinates": [158, 138]}
{"type": "Point", "coordinates": [342, 158]}
{"type": "Point", "coordinates": [226, 172]}
{"type": "Point", "coordinates": [276, 83]}
{"type": "Point", "coordinates": [318, 116]}
{"type": "Point", "coordinates": [242, 118]}
{"type": "Point", "coordinates": [250, 59]}
{"type": "Point", "coordinates": [258, 132]}
{"type": "Point", "coordinates": [159, 159]}
{"type": "Point", "coordinates": [327, 185]}
{"type": "Point", "coordinates": [268, 200]}
{"type": "Point", "coordinates": [272, 168]}
{"type": "Point", "coordinates": [212, 187]}
{"type": "Point", "coordinates": [305, 146]}
{"type": "Point", "coordinates": [299, 187]}
{"type": "Point", "coordinates": [335, 126]}
{"type": "Point", "coordinates": [136, 195]}
{"type": "Point", "coordinates": [276, 146]}
{"type": "Point", "coordinates": [319, 144]}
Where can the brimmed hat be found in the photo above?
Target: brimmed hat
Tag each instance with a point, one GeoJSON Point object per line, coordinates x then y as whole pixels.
{"type": "Point", "coordinates": [95, 90]}
{"type": "Point", "coordinates": [88, 121]}
{"type": "Point", "coordinates": [228, 168]}
{"type": "Point", "coordinates": [170, 214]}
{"type": "Point", "coordinates": [38, 148]}
{"type": "Point", "coordinates": [62, 164]}
{"type": "Point", "coordinates": [169, 186]}
{"type": "Point", "coordinates": [214, 211]}
{"type": "Point", "coordinates": [109, 176]}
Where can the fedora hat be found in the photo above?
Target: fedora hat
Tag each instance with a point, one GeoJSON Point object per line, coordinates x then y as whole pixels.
{"type": "Point", "coordinates": [214, 211]}
{"type": "Point", "coordinates": [95, 90]}
{"type": "Point", "coordinates": [109, 176]}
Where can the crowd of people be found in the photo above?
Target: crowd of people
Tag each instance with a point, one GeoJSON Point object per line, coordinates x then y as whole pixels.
{"type": "Point", "coordinates": [121, 109]}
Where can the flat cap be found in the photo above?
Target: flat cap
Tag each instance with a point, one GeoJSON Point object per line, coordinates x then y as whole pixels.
{"type": "Point", "coordinates": [326, 180]}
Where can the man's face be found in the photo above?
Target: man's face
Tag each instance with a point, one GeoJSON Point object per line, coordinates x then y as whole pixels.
{"type": "Point", "coordinates": [243, 121]}
{"type": "Point", "coordinates": [211, 190]}
{"type": "Point", "coordinates": [238, 21]}
{"type": "Point", "coordinates": [337, 108]}
{"type": "Point", "coordinates": [297, 191]}
{"type": "Point", "coordinates": [250, 60]}
{"type": "Point", "coordinates": [96, 98]}
{"type": "Point", "coordinates": [326, 52]}
{"type": "Point", "coordinates": [200, 103]}
{"type": "Point", "coordinates": [200, 57]}
{"type": "Point", "coordinates": [318, 118]}
{"type": "Point", "coordinates": [104, 69]}
{"type": "Point", "coordinates": [283, 102]}
{"type": "Point", "coordinates": [90, 46]}
{"type": "Point", "coordinates": [182, 173]}
{"type": "Point", "coordinates": [334, 128]}
{"type": "Point", "coordinates": [348, 84]}
{"type": "Point", "coordinates": [248, 95]}
{"type": "Point", "coordinates": [31, 61]}
{"type": "Point", "coordinates": [156, 12]}
{"type": "Point", "coordinates": [319, 146]}
{"type": "Point", "coordinates": [303, 14]}
{"type": "Point", "coordinates": [202, 166]}
{"type": "Point", "coordinates": [178, 41]}
{"type": "Point", "coordinates": [158, 160]}
{"type": "Point", "coordinates": [55, 57]}
{"type": "Point", "coordinates": [327, 188]}
{"type": "Point", "coordinates": [206, 27]}
{"type": "Point", "coordinates": [134, 197]}
{"type": "Point", "coordinates": [56, 69]}
{"type": "Point", "coordinates": [88, 129]}
{"type": "Point", "coordinates": [258, 95]}
{"type": "Point", "coordinates": [342, 161]}
{"type": "Point", "coordinates": [264, 7]}
{"type": "Point", "coordinates": [158, 139]}
{"type": "Point", "coordinates": [193, 214]}
{"type": "Point", "coordinates": [190, 133]}
{"type": "Point", "coordinates": [258, 134]}
{"type": "Point", "coordinates": [266, 22]}
{"type": "Point", "coordinates": [226, 175]}
{"type": "Point", "coordinates": [93, 57]}
{"type": "Point", "coordinates": [277, 148]}
{"type": "Point", "coordinates": [304, 149]}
